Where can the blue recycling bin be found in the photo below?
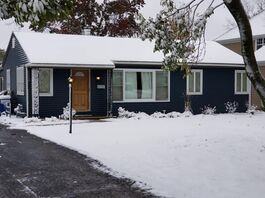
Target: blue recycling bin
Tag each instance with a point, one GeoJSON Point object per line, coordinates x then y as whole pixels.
{"type": "Point", "coordinates": [5, 105]}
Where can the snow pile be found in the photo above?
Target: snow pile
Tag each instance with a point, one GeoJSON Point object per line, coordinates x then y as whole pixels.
{"type": "Point", "coordinates": [32, 119]}
{"type": "Point", "coordinates": [123, 113]}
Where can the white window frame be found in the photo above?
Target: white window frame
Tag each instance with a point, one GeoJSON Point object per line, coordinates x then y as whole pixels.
{"type": "Point", "coordinates": [153, 71]}
{"type": "Point", "coordinates": [20, 80]}
{"type": "Point", "coordinates": [51, 83]}
{"type": "Point", "coordinates": [241, 72]}
{"type": "Point", "coordinates": [8, 80]}
{"type": "Point", "coordinates": [201, 82]}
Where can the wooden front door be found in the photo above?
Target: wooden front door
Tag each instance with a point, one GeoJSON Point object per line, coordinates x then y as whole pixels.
{"type": "Point", "coordinates": [81, 99]}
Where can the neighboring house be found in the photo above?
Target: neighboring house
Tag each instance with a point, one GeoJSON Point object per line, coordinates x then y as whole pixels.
{"type": "Point", "coordinates": [109, 73]}
{"type": "Point", "coordinates": [231, 40]}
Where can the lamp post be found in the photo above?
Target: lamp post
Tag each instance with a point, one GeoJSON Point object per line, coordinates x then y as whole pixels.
{"type": "Point", "coordinates": [70, 80]}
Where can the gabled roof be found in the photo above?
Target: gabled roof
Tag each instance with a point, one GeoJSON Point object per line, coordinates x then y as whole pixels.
{"type": "Point", "coordinates": [260, 55]}
{"type": "Point", "coordinates": [83, 50]}
{"type": "Point", "coordinates": [257, 25]}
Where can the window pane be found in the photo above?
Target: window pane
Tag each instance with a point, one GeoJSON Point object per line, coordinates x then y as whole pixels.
{"type": "Point", "coordinates": [117, 94]}
{"type": "Point", "coordinates": [44, 81]}
{"type": "Point", "coordinates": [146, 89]}
{"type": "Point", "coordinates": [238, 82]}
{"type": "Point", "coordinates": [138, 85]}
{"type": "Point", "coordinates": [244, 86]}
{"type": "Point", "coordinates": [161, 85]}
{"type": "Point", "coordinates": [197, 82]}
{"type": "Point", "coordinates": [130, 85]}
{"type": "Point", "coordinates": [191, 82]}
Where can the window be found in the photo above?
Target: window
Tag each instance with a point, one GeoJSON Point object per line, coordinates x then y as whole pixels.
{"type": "Point", "coordinates": [20, 80]}
{"type": "Point", "coordinates": [241, 82]}
{"type": "Point", "coordinates": [46, 82]}
{"type": "Point", "coordinates": [117, 86]}
{"type": "Point", "coordinates": [8, 79]}
{"type": "Point", "coordinates": [140, 85]}
{"type": "Point", "coordinates": [260, 42]}
{"type": "Point", "coordinates": [161, 85]}
{"type": "Point", "coordinates": [13, 43]}
{"type": "Point", "coordinates": [194, 82]}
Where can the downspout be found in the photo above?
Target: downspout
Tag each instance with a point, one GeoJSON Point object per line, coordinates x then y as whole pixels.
{"type": "Point", "coordinates": [27, 91]}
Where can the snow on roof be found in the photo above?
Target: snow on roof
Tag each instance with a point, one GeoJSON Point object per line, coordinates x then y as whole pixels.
{"type": "Point", "coordinates": [63, 49]}
{"type": "Point", "coordinates": [257, 25]}
{"type": "Point", "coordinates": [260, 55]}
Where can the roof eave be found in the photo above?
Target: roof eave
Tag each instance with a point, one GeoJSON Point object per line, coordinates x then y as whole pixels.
{"type": "Point", "coordinates": [63, 65]}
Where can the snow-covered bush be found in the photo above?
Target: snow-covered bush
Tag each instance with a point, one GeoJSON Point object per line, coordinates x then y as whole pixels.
{"type": "Point", "coordinates": [122, 113]}
{"type": "Point", "coordinates": [251, 109]}
{"type": "Point", "coordinates": [231, 107]}
{"type": "Point", "coordinates": [208, 110]}
{"type": "Point", "coordinates": [18, 108]}
{"type": "Point", "coordinates": [66, 112]}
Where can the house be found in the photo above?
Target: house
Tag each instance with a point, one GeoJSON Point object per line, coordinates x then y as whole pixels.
{"type": "Point", "coordinates": [109, 73]}
{"type": "Point", "coordinates": [231, 40]}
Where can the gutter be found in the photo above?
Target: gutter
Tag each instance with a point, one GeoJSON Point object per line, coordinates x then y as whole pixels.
{"type": "Point", "coordinates": [55, 65]}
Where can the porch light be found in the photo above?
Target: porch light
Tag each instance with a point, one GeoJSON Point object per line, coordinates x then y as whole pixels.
{"type": "Point", "coordinates": [70, 80]}
{"type": "Point", "coordinates": [98, 78]}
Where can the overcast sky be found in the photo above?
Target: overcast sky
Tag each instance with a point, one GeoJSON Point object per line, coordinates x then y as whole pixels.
{"type": "Point", "coordinates": [215, 27]}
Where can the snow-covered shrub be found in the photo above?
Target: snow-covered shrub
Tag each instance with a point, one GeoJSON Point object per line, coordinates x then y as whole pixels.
{"type": "Point", "coordinates": [208, 110]}
{"type": "Point", "coordinates": [32, 119]}
{"type": "Point", "coordinates": [18, 108]}
{"type": "Point", "coordinates": [251, 109]}
{"type": "Point", "coordinates": [66, 112]}
{"type": "Point", "coordinates": [51, 119]}
{"type": "Point", "coordinates": [231, 107]}
{"type": "Point", "coordinates": [159, 115]}
{"type": "Point", "coordinates": [173, 114]}
{"type": "Point", "coordinates": [122, 113]}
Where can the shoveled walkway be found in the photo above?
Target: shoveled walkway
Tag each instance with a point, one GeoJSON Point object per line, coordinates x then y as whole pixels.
{"type": "Point", "coordinates": [33, 167]}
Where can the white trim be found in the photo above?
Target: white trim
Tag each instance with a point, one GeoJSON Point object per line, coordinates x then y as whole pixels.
{"type": "Point", "coordinates": [194, 85]}
{"type": "Point", "coordinates": [20, 90]}
{"type": "Point", "coordinates": [153, 71]}
{"type": "Point", "coordinates": [72, 66]}
{"type": "Point", "coordinates": [51, 83]}
{"type": "Point", "coordinates": [235, 83]}
{"type": "Point", "coordinates": [27, 92]}
{"type": "Point", "coordinates": [8, 79]}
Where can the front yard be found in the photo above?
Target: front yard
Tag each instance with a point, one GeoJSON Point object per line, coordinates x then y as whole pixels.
{"type": "Point", "coordinates": [217, 156]}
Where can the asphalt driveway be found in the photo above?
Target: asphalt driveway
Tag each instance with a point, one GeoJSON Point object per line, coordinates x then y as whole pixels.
{"type": "Point", "coordinates": [33, 167]}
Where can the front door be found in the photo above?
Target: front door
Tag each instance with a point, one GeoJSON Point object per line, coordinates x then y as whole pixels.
{"type": "Point", "coordinates": [81, 90]}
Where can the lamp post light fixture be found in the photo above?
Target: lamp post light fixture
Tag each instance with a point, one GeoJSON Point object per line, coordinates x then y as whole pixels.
{"type": "Point", "coordinates": [70, 81]}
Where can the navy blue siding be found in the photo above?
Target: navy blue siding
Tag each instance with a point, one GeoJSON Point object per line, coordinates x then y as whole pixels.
{"type": "Point", "coordinates": [53, 105]}
{"type": "Point", "coordinates": [98, 96]}
{"type": "Point", "coordinates": [14, 58]}
{"type": "Point", "coordinates": [218, 88]}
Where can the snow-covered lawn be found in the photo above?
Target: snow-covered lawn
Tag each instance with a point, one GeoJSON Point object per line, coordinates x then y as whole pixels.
{"type": "Point", "coordinates": [216, 156]}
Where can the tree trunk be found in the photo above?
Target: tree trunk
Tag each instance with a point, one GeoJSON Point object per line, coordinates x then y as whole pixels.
{"type": "Point", "coordinates": [237, 10]}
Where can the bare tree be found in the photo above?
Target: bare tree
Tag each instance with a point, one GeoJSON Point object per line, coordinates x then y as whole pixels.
{"type": "Point", "coordinates": [178, 32]}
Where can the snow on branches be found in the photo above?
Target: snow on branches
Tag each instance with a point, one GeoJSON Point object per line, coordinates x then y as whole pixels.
{"type": "Point", "coordinates": [178, 33]}
{"type": "Point", "coordinates": [35, 11]}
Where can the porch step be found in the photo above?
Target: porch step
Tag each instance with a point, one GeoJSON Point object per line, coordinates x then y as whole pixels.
{"type": "Point", "coordinates": [88, 117]}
